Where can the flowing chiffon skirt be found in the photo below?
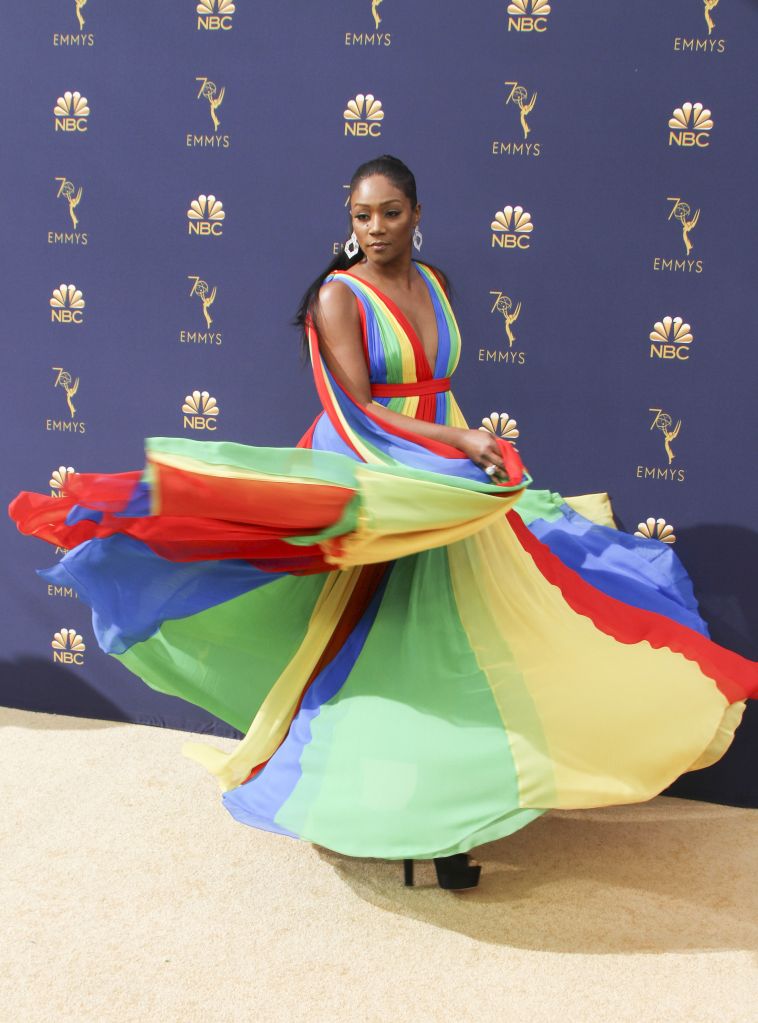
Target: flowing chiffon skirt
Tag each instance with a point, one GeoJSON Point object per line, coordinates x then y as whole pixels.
{"type": "Point", "coordinates": [421, 660]}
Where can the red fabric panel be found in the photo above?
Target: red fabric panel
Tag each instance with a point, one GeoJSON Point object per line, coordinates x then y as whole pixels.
{"type": "Point", "coordinates": [735, 676]}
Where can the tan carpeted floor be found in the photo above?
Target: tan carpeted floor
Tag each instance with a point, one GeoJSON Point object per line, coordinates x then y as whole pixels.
{"type": "Point", "coordinates": [129, 894]}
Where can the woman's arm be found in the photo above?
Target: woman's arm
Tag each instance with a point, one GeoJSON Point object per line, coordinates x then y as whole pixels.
{"type": "Point", "coordinates": [341, 344]}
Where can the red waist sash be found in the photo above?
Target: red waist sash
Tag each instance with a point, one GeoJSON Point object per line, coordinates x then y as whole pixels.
{"type": "Point", "coordinates": [411, 390]}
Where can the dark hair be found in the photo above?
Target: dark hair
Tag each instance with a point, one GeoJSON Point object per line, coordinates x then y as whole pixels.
{"type": "Point", "coordinates": [400, 175]}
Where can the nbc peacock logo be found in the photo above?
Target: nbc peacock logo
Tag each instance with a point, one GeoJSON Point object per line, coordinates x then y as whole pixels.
{"type": "Point", "coordinates": [67, 304]}
{"type": "Point", "coordinates": [206, 216]}
{"type": "Point", "coordinates": [200, 411]}
{"type": "Point", "coordinates": [500, 424]}
{"type": "Point", "coordinates": [690, 126]}
{"type": "Point", "coordinates": [58, 479]}
{"type": "Point", "coordinates": [68, 647]}
{"type": "Point", "coordinates": [655, 529]}
{"type": "Point", "coordinates": [215, 15]}
{"type": "Point", "coordinates": [671, 338]}
{"type": "Point", "coordinates": [71, 111]}
{"type": "Point", "coordinates": [512, 228]}
{"type": "Point", "coordinates": [363, 116]}
{"type": "Point", "coordinates": [528, 15]}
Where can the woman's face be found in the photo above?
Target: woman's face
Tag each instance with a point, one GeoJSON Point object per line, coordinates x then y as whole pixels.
{"type": "Point", "coordinates": [383, 219]}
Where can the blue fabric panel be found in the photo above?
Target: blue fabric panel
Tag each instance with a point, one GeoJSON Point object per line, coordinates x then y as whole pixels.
{"type": "Point", "coordinates": [259, 800]}
{"type": "Point", "coordinates": [644, 573]}
{"type": "Point", "coordinates": [135, 590]}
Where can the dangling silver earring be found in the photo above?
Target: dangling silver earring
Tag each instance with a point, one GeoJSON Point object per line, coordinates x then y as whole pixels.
{"type": "Point", "coordinates": [351, 246]}
{"type": "Point", "coordinates": [418, 239]}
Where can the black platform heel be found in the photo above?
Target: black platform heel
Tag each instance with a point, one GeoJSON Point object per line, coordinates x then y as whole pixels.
{"type": "Point", "coordinates": [454, 873]}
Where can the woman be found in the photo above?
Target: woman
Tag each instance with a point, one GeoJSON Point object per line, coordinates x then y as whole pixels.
{"type": "Point", "coordinates": [425, 656]}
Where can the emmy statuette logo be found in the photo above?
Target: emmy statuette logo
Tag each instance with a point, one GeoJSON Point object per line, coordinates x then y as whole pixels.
{"type": "Point", "coordinates": [206, 216]}
{"type": "Point", "coordinates": [67, 304]}
{"type": "Point", "coordinates": [71, 111]}
{"type": "Point", "coordinates": [500, 424]}
{"type": "Point", "coordinates": [663, 422]}
{"type": "Point", "coordinates": [71, 196]}
{"type": "Point", "coordinates": [703, 44]}
{"type": "Point", "coordinates": [200, 411]}
{"type": "Point", "coordinates": [80, 38]}
{"type": "Point", "coordinates": [363, 116]}
{"type": "Point", "coordinates": [70, 387]}
{"type": "Point", "coordinates": [68, 647]}
{"type": "Point", "coordinates": [377, 36]}
{"type": "Point", "coordinates": [528, 15]}
{"type": "Point", "coordinates": [58, 479]}
{"type": "Point", "coordinates": [205, 296]}
{"type": "Point", "coordinates": [504, 307]}
{"type": "Point", "coordinates": [680, 212]}
{"type": "Point", "coordinates": [215, 15]}
{"type": "Point", "coordinates": [690, 125]}
{"type": "Point", "coordinates": [214, 96]}
{"type": "Point", "coordinates": [511, 228]}
{"type": "Point", "coordinates": [656, 529]}
{"type": "Point", "coordinates": [670, 339]}
{"type": "Point", "coordinates": [518, 98]}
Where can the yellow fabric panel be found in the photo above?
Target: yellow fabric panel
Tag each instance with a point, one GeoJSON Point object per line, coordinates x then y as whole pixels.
{"type": "Point", "coordinates": [722, 740]}
{"type": "Point", "coordinates": [595, 507]}
{"type": "Point", "coordinates": [402, 516]}
{"type": "Point", "coordinates": [271, 723]}
{"type": "Point", "coordinates": [593, 721]}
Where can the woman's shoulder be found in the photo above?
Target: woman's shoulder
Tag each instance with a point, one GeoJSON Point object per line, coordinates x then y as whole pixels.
{"type": "Point", "coordinates": [336, 300]}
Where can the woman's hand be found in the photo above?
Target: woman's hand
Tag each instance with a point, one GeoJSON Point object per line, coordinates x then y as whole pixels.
{"type": "Point", "coordinates": [482, 448]}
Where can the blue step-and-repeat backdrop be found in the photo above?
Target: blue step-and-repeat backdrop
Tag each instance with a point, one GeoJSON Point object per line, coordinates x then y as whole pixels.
{"type": "Point", "coordinates": [175, 174]}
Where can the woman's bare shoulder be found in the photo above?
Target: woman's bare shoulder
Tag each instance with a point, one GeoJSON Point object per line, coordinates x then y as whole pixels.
{"type": "Point", "coordinates": [336, 298]}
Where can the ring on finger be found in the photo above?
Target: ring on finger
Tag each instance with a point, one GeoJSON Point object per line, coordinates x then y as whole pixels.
{"type": "Point", "coordinates": [490, 470]}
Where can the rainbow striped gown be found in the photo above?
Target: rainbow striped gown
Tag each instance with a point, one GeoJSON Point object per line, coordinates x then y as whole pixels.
{"type": "Point", "coordinates": [421, 660]}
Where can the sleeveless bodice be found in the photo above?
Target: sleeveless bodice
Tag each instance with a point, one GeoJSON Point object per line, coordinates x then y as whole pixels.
{"type": "Point", "coordinates": [394, 352]}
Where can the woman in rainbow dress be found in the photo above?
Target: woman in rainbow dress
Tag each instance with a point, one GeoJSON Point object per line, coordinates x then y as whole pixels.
{"type": "Point", "coordinates": [423, 653]}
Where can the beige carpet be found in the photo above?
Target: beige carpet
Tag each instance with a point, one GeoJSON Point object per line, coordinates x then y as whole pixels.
{"type": "Point", "coordinates": [129, 894]}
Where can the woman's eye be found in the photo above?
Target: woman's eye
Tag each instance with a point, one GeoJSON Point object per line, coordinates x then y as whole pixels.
{"type": "Point", "coordinates": [393, 213]}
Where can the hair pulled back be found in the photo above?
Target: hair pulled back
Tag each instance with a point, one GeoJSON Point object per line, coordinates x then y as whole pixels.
{"type": "Point", "coordinates": [400, 176]}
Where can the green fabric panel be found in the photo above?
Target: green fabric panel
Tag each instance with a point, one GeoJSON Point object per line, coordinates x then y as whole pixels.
{"type": "Point", "coordinates": [457, 482]}
{"type": "Point", "coordinates": [413, 743]}
{"type": "Point", "coordinates": [226, 659]}
{"type": "Point", "coordinates": [324, 466]}
{"type": "Point", "coordinates": [346, 523]}
{"type": "Point", "coordinates": [539, 504]}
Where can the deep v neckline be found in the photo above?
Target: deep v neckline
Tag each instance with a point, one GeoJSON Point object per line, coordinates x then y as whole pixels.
{"type": "Point", "coordinates": [422, 359]}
